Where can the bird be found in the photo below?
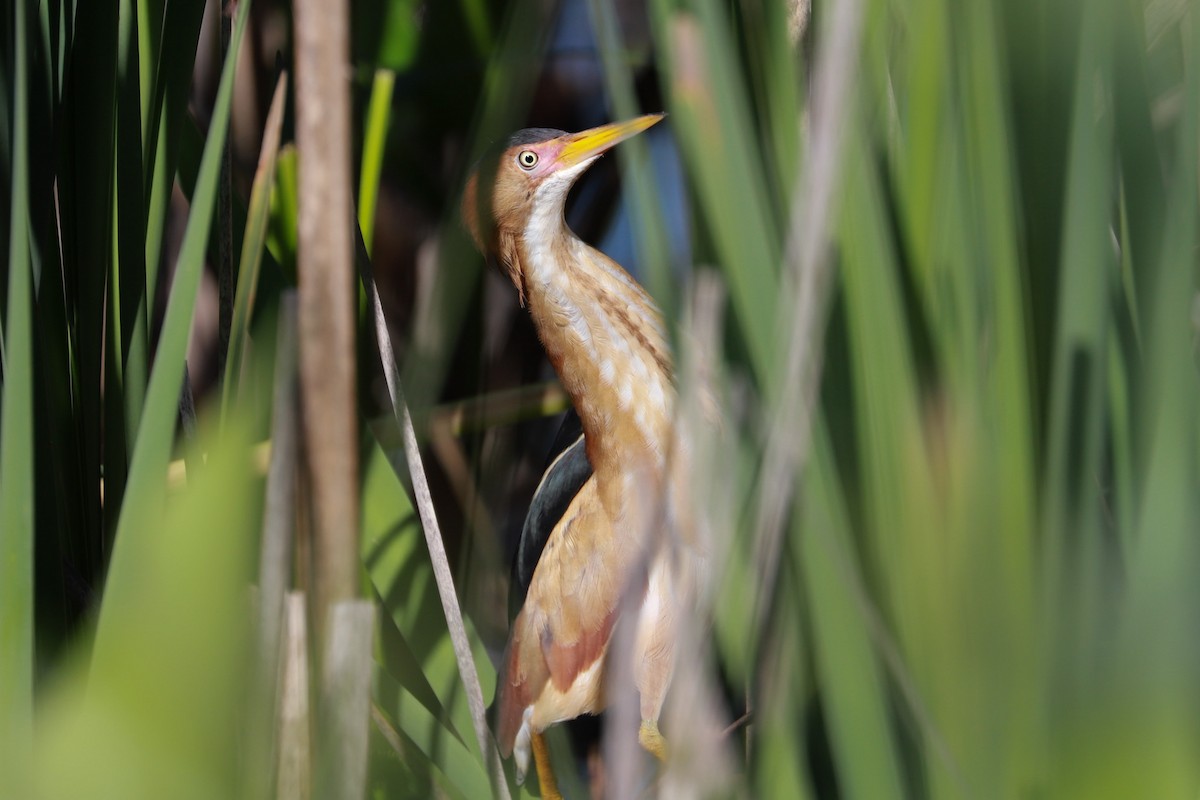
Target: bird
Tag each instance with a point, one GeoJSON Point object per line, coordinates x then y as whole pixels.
{"type": "Point", "coordinates": [600, 542]}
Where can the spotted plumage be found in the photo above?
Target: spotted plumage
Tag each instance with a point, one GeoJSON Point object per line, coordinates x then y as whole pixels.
{"type": "Point", "coordinates": [607, 513]}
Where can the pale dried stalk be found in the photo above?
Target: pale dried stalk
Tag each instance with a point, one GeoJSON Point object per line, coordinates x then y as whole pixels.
{"type": "Point", "coordinates": [623, 762]}
{"type": "Point", "coordinates": [294, 776]}
{"type": "Point", "coordinates": [275, 561]}
{"type": "Point", "coordinates": [327, 297]}
{"type": "Point", "coordinates": [346, 700]}
{"type": "Point", "coordinates": [700, 763]}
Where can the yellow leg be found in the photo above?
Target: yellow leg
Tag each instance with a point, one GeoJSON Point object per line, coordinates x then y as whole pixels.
{"type": "Point", "coordinates": [652, 741]}
{"type": "Point", "coordinates": [541, 760]}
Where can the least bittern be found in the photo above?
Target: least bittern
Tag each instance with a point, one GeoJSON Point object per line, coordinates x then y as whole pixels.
{"type": "Point", "coordinates": [601, 529]}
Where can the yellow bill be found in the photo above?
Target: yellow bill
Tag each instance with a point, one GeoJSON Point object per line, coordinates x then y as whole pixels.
{"type": "Point", "coordinates": [586, 144]}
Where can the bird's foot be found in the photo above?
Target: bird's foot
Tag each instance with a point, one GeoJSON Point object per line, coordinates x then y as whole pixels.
{"type": "Point", "coordinates": [652, 741]}
{"type": "Point", "coordinates": [541, 759]}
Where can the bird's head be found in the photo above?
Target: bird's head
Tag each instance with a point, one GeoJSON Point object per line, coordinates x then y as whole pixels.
{"type": "Point", "coordinates": [527, 180]}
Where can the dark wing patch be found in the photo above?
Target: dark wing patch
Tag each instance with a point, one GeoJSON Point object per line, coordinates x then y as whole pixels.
{"type": "Point", "coordinates": [562, 480]}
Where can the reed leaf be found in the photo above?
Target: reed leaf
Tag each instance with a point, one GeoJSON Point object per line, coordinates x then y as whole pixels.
{"type": "Point", "coordinates": [17, 450]}
{"type": "Point", "coordinates": [157, 432]}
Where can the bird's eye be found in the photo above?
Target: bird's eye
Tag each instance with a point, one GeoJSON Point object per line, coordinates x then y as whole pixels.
{"type": "Point", "coordinates": [527, 159]}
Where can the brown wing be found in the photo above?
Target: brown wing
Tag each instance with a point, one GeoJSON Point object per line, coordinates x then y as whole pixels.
{"type": "Point", "coordinates": [567, 618]}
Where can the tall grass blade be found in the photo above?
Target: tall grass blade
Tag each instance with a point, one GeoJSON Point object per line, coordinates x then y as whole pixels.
{"type": "Point", "coordinates": [457, 762]}
{"type": "Point", "coordinates": [17, 451]}
{"type": "Point", "coordinates": [157, 432]}
{"type": "Point", "coordinates": [852, 683]}
{"type": "Point", "coordinates": [166, 118]}
{"type": "Point", "coordinates": [150, 14]}
{"type": "Point", "coordinates": [1160, 662]}
{"type": "Point", "coordinates": [991, 194]}
{"type": "Point", "coordinates": [127, 336]}
{"type": "Point", "coordinates": [1086, 277]}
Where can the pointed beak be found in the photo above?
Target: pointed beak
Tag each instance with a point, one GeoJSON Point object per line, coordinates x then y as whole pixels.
{"type": "Point", "coordinates": [579, 147]}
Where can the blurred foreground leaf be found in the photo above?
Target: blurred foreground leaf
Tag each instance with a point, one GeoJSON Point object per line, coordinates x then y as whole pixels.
{"type": "Point", "coordinates": [158, 717]}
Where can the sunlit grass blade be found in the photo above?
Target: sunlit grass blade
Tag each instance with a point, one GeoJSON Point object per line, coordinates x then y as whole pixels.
{"type": "Point", "coordinates": [150, 15]}
{"type": "Point", "coordinates": [422, 692]}
{"type": "Point", "coordinates": [17, 452]}
{"type": "Point", "coordinates": [253, 244]}
{"type": "Point", "coordinates": [460, 767]}
{"type": "Point", "coordinates": [157, 432]}
{"type": "Point", "coordinates": [281, 236]}
{"type": "Point", "coordinates": [990, 427]}
{"type": "Point", "coordinates": [1007, 392]}
{"type": "Point", "coordinates": [397, 769]}
{"type": "Point", "coordinates": [398, 659]}
{"type": "Point", "coordinates": [379, 109]}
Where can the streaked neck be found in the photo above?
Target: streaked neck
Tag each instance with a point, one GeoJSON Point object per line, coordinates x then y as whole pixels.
{"type": "Point", "coordinates": [604, 336]}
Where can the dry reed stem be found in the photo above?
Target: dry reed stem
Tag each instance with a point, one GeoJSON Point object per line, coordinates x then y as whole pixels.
{"type": "Point", "coordinates": [294, 776]}
{"type": "Point", "coordinates": [327, 297]}
{"type": "Point", "coordinates": [346, 700]}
